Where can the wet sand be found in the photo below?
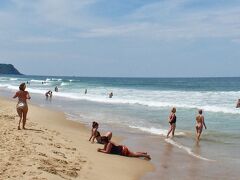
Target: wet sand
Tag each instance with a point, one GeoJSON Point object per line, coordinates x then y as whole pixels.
{"type": "Point", "coordinates": [55, 148]}
{"type": "Point", "coordinates": [173, 163]}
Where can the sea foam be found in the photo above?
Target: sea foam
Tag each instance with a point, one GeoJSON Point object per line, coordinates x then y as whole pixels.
{"type": "Point", "coordinates": [187, 149]}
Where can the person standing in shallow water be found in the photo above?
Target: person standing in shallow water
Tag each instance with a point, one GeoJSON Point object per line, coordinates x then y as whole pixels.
{"type": "Point", "coordinates": [56, 89]}
{"type": "Point", "coordinates": [22, 107]}
{"type": "Point", "coordinates": [111, 95]}
{"type": "Point", "coordinates": [238, 104]}
{"type": "Point", "coordinates": [199, 124]}
{"type": "Point", "coordinates": [172, 122]}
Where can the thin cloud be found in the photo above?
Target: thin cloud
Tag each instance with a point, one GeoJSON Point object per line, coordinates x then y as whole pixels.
{"type": "Point", "coordinates": [169, 20]}
{"type": "Point", "coordinates": [42, 40]}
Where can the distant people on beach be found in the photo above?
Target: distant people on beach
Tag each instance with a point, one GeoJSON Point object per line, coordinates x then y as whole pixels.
{"type": "Point", "coordinates": [172, 122]}
{"type": "Point", "coordinates": [110, 94]}
{"type": "Point", "coordinates": [22, 106]}
{"type": "Point", "coordinates": [28, 82]}
{"type": "Point", "coordinates": [56, 89]}
{"type": "Point", "coordinates": [95, 134]}
{"type": "Point", "coordinates": [85, 91]}
{"type": "Point", "coordinates": [238, 104]}
{"type": "Point", "coordinates": [48, 94]}
{"type": "Point", "coordinates": [199, 124]}
{"type": "Point", "coordinates": [113, 148]}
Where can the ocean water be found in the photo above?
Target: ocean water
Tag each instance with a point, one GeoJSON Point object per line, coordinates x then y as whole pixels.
{"type": "Point", "coordinates": [142, 105]}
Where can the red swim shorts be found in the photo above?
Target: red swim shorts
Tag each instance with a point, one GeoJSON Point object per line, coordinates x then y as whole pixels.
{"type": "Point", "coordinates": [125, 151]}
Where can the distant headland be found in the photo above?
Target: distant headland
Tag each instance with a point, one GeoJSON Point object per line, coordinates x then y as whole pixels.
{"type": "Point", "coordinates": [9, 69]}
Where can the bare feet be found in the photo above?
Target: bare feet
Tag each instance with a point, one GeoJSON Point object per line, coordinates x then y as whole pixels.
{"type": "Point", "coordinates": [142, 152]}
{"type": "Point", "coordinates": [147, 157]}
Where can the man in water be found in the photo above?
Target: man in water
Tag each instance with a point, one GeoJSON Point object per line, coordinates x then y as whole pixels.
{"type": "Point", "coordinates": [238, 104]}
{"type": "Point", "coordinates": [85, 91]}
{"type": "Point", "coordinates": [56, 89]}
{"type": "Point", "coordinates": [199, 124]}
{"type": "Point", "coordinates": [111, 95]}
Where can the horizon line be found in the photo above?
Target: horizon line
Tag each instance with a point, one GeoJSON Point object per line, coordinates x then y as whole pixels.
{"type": "Point", "coordinates": [146, 77]}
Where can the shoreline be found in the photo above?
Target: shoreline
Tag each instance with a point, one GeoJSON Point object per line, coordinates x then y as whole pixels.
{"type": "Point", "coordinates": [56, 148]}
{"type": "Point", "coordinates": [166, 156]}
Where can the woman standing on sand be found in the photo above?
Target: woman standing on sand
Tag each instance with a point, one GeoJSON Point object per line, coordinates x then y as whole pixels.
{"type": "Point", "coordinates": [22, 107]}
{"type": "Point", "coordinates": [172, 122]}
{"type": "Point", "coordinates": [199, 124]}
{"type": "Point", "coordinates": [112, 148]}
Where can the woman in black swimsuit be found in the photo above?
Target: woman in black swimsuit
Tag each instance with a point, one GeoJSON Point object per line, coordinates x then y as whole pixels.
{"type": "Point", "coordinates": [112, 148]}
{"type": "Point", "coordinates": [172, 122]}
{"type": "Point", "coordinates": [95, 134]}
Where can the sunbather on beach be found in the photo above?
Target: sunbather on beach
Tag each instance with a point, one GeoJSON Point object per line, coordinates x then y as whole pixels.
{"type": "Point", "coordinates": [112, 148]}
{"type": "Point", "coordinates": [172, 122]}
{"type": "Point", "coordinates": [95, 134]}
{"type": "Point", "coordinates": [22, 107]}
{"type": "Point", "coordinates": [199, 124]}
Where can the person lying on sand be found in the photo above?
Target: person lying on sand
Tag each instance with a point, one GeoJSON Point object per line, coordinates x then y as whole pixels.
{"type": "Point", "coordinates": [112, 148]}
{"type": "Point", "coordinates": [22, 107]}
{"type": "Point", "coordinates": [95, 134]}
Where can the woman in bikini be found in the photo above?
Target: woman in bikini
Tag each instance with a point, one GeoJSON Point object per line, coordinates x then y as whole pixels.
{"type": "Point", "coordinates": [172, 122]}
{"type": "Point", "coordinates": [22, 107]}
{"type": "Point", "coordinates": [95, 134]}
{"type": "Point", "coordinates": [112, 148]}
{"type": "Point", "coordinates": [199, 124]}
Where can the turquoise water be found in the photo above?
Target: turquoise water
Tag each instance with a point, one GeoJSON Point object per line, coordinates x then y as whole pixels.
{"type": "Point", "coordinates": [142, 106]}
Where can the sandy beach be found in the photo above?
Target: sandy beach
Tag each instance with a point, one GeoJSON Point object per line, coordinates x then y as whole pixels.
{"type": "Point", "coordinates": [53, 147]}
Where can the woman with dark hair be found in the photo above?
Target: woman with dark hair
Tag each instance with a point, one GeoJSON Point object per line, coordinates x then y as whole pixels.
{"type": "Point", "coordinates": [172, 122]}
{"type": "Point", "coordinates": [95, 134]}
{"type": "Point", "coordinates": [112, 148]}
{"type": "Point", "coordinates": [22, 107]}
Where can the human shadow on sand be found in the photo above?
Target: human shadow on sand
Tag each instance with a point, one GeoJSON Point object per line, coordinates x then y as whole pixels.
{"type": "Point", "coordinates": [36, 130]}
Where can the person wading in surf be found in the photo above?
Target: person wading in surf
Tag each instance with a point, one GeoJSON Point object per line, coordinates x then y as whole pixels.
{"type": "Point", "coordinates": [199, 124]}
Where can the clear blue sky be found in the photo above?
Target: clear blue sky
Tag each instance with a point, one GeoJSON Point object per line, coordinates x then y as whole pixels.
{"type": "Point", "coordinates": [146, 38]}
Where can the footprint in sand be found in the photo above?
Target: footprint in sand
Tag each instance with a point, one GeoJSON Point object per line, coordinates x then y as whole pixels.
{"type": "Point", "coordinates": [72, 149]}
{"type": "Point", "coordinates": [60, 154]}
{"type": "Point", "coordinates": [57, 145]}
{"type": "Point", "coordinates": [42, 154]}
{"type": "Point", "coordinates": [59, 167]}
